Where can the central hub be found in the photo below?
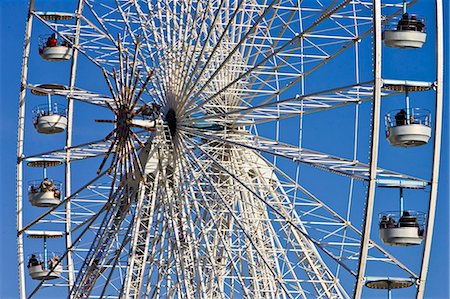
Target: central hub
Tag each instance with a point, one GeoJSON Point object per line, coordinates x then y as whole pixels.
{"type": "Point", "coordinates": [171, 119]}
{"type": "Point", "coordinates": [123, 122]}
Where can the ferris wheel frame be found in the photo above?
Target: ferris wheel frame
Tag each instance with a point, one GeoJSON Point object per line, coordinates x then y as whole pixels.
{"type": "Point", "coordinates": [373, 178]}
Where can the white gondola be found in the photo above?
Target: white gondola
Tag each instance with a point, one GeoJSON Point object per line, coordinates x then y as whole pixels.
{"type": "Point", "coordinates": [408, 127]}
{"type": "Point", "coordinates": [408, 33]}
{"type": "Point", "coordinates": [56, 53]}
{"type": "Point", "coordinates": [50, 118]}
{"type": "Point", "coordinates": [53, 47]}
{"type": "Point", "coordinates": [38, 272]}
{"type": "Point", "coordinates": [402, 228]}
{"type": "Point", "coordinates": [401, 236]}
{"type": "Point", "coordinates": [404, 39]}
{"type": "Point", "coordinates": [44, 199]}
{"type": "Point", "coordinates": [46, 192]}
{"type": "Point", "coordinates": [44, 265]}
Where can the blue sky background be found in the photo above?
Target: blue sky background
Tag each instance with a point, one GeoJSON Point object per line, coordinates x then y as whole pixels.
{"type": "Point", "coordinates": [411, 65]}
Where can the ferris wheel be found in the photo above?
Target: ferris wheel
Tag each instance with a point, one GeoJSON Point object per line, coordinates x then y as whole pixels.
{"type": "Point", "coordinates": [218, 149]}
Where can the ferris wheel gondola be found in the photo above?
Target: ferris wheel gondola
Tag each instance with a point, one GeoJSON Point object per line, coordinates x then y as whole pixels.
{"type": "Point", "coordinates": [44, 265]}
{"type": "Point", "coordinates": [407, 33]}
{"type": "Point", "coordinates": [49, 118]}
{"type": "Point", "coordinates": [52, 47]}
{"type": "Point", "coordinates": [45, 192]}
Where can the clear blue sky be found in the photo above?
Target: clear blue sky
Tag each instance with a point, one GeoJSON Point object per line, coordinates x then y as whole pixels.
{"type": "Point", "coordinates": [13, 15]}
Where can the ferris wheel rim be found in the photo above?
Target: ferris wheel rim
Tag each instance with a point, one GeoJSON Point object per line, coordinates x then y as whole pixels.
{"type": "Point", "coordinates": [184, 121]}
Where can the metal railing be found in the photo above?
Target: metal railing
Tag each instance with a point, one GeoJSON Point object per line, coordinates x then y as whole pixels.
{"type": "Point", "coordinates": [36, 186]}
{"type": "Point", "coordinates": [412, 23]}
{"type": "Point", "coordinates": [40, 258]}
{"type": "Point", "coordinates": [51, 40]}
{"type": "Point", "coordinates": [409, 116]}
{"type": "Point", "coordinates": [406, 218]}
{"type": "Point", "coordinates": [45, 110]}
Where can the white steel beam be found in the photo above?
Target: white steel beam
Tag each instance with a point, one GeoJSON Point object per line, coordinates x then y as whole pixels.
{"type": "Point", "coordinates": [305, 104]}
{"type": "Point", "coordinates": [436, 150]}
{"type": "Point", "coordinates": [334, 164]}
{"type": "Point", "coordinates": [68, 181]}
{"type": "Point", "coordinates": [72, 93]}
{"type": "Point", "coordinates": [20, 142]}
{"type": "Point", "coordinates": [368, 214]}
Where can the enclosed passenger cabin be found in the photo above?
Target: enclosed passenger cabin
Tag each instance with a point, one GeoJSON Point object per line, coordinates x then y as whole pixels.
{"type": "Point", "coordinates": [50, 118]}
{"type": "Point", "coordinates": [408, 127]}
{"type": "Point", "coordinates": [409, 32]}
{"type": "Point", "coordinates": [53, 47]}
{"type": "Point", "coordinates": [46, 192]}
{"type": "Point", "coordinates": [45, 265]}
{"type": "Point", "coordinates": [402, 228]}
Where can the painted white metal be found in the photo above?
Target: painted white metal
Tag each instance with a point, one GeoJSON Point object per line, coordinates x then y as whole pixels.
{"type": "Point", "coordinates": [437, 148]}
{"type": "Point", "coordinates": [399, 183]}
{"type": "Point", "coordinates": [157, 151]}
{"type": "Point", "coordinates": [318, 271]}
{"type": "Point", "coordinates": [51, 124]}
{"type": "Point", "coordinates": [38, 272]}
{"type": "Point", "coordinates": [43, 199]}
{"type": "Point", "coordinates": [404, 39]}
{"type": "Point", "coordinates": [68, 156]}
{"type": "Point", "coordinates": [57, 53]}
{"type": "Point", "coordinates": [375, 134]}
{"type": "Point", "coordinates": [338, 165]}
{"type": "Point", "coordinates": [216, 218]}
{"type": "Point", "coordinates": [401, 236]}
{"type": "Point", "coordinates": [409, 135]}
{"type": "Point", "coordinates": [74, 94]}
{"type": "Point", "coordinates": [20, 143]}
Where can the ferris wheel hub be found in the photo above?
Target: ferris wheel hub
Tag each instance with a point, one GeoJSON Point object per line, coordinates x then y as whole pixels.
{"type": "Point", "coordinates": [171, 119]}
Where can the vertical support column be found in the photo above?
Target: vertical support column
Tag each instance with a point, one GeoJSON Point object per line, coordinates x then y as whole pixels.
{"type": "Point", "coordinates": [401, 201]}
{"type": "Point", "coordinates": [436, 151]}
{"type": "Point", "coordinates": [20, 134]}
{"type": "Point", "coordinates": [408, 112]}
{"type": "Point", "coordinates": [131, 287]}
{"type": "Point", "coordinates": [49, 103]}
{"type": "Point", "coordinates": [68, 191]}
{"type": "Point", "coordinates": [45, 253]}
{"type": "Point", "coordinates": [374, 149]}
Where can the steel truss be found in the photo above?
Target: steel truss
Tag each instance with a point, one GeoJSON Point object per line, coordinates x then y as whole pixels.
{"type": "Point", "coordinates": [206, 208]}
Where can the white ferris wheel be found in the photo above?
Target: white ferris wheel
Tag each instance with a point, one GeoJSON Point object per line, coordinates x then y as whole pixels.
{"type": "Point", "coordinates": [218, 149]}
